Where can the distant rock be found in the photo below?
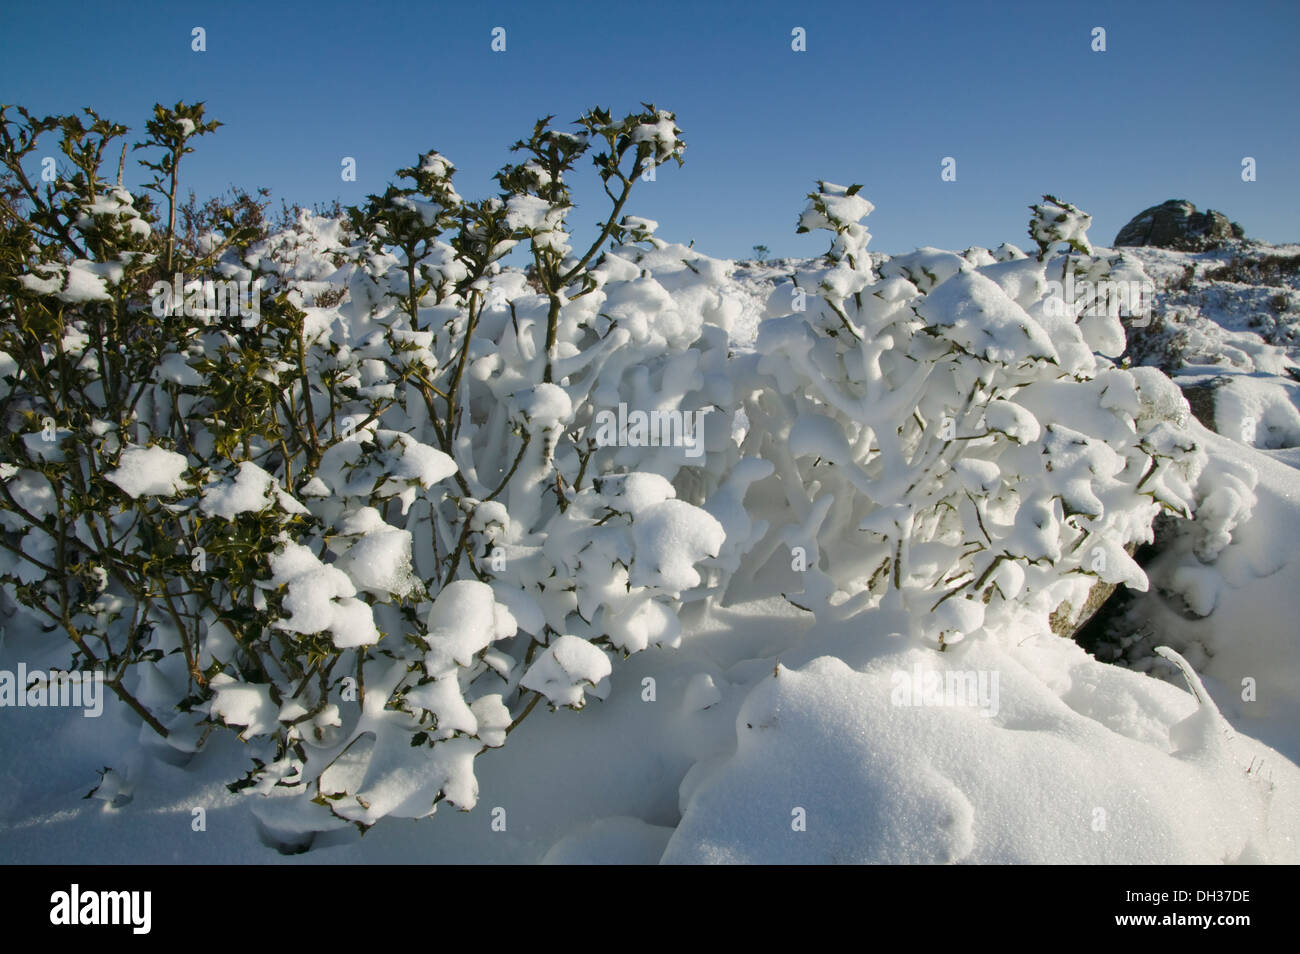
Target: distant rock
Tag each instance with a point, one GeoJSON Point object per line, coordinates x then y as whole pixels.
{"type": "Point", "coordinates": [1176, 224]}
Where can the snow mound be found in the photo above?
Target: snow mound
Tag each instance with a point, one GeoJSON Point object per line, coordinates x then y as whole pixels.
{"type": "Point", "coordinates": [1042, 755]}
{"type": "Point", "coordinates": [610, 841]}
{"type": "Point", "coordinates": [1224, 593]}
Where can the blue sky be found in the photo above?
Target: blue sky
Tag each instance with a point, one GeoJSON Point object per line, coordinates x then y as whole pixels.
{"type": "Point", "coordinates": [883, 93]}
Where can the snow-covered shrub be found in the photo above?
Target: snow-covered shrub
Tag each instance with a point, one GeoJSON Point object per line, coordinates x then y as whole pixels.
{"type": "Point", "coordinates": [376, 516]}
{"type": "Point", "coordinates": [949, 437]}
{"type": "Point", "coordinates": [371, 497]}
{"type": "Point", "coordinates": [88, 545]}
{"type": "Point", "coordinates": [1055, 222]}
{"type": "Point", "coordinates": [570, 547]}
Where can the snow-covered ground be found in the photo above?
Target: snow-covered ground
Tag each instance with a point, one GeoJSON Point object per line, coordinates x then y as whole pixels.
{"type": "Point", "coordinates": [766, 737]}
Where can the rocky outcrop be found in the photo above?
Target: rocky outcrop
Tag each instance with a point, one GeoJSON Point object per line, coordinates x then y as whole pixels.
{"type": "Point", "coordinates": [1177, 225]}
{"type": "Point", "coordinates": [1067, 621]}
{"type": "Point", "coordinates": [1200, 397]}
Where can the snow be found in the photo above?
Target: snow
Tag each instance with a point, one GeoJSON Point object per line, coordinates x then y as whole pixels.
{"type": "Point", "coordinates": [41, 286]}
{"type": "Point", "coordinates": [928, 267]}
{"type": "Point", "coordinates": [639, 224]}
{"type": "Point", "coordinates": [532, 213]}
{"type": "Point", "coordinates": [670, 538]}
{"type": "Point", "coordinates": [436, 165]}
{"type": "Point", "coordinates": [252, 491]}
{"type": "Point", "coordinates": [1056, 221]}
{"type": "Point", "coordinates": [544, 406]}
{"type": "Point", "coordinates": [1259, 412]}
{"type": "Point", "coordinates": [420, 463]}
{"type": "Point", "coordinates": [1013, 420]}
{"type": "Point", "coordinates": [661, 131]}
{"type": "Point", "coordinates": [1225, 594]}
{"type": "Point", "coordinates": [883, 783]}
{"type": "Point", "coordinates": [563, 670]}
{"type": "Point", "coordinates": [82, 281]}
{"type": "Point", "coordinates": [610, 841]}
{"type": "Point", "coordinates": [443, 698]}
{"type": "Point", "coordinates": [984, 320]}
{"type": "Point", "coordinates": [640, 624]}
{"type": "Point", "coordinates": [637, 492]}
{"type": "Point", "coordinates": [380, 563]}
{"type": "Point", "coordinates": [491, 719]}
{"type": "Point", "coordinates": [149, 472]}
{"type": "Point", "coordinates": [320, 598]}
{"type": "Point", "coordinates": [701, 692]}
{"type": "Point", "coordinates": [447, 768]}
{"type": "Point", "coordinates": [835, 204]}
{"type": "Point", "coordinates": [464, 620]}
{"type": "Point", "coordinates": [39, 448]}
{"type": "Point", "coordinates": [954, 618]}
{"type": "Point", "coordinates": [239, 704]}
{"type": "Point", "coordinates": [174, 368]}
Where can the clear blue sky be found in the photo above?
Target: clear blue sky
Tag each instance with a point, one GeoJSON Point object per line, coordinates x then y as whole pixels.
{"type": "Point", "coordinates": [1011, 90]}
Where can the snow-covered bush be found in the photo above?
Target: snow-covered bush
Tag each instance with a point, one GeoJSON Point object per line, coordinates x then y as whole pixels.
{"type": "Point", "coordinates": [362, 494]}
{"type": "Point", "coordinates": [576, 547]}
{"type": "Point", "coordinates": [949, 437]}
{"type": "Point", "coordinates": [370, 520]}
